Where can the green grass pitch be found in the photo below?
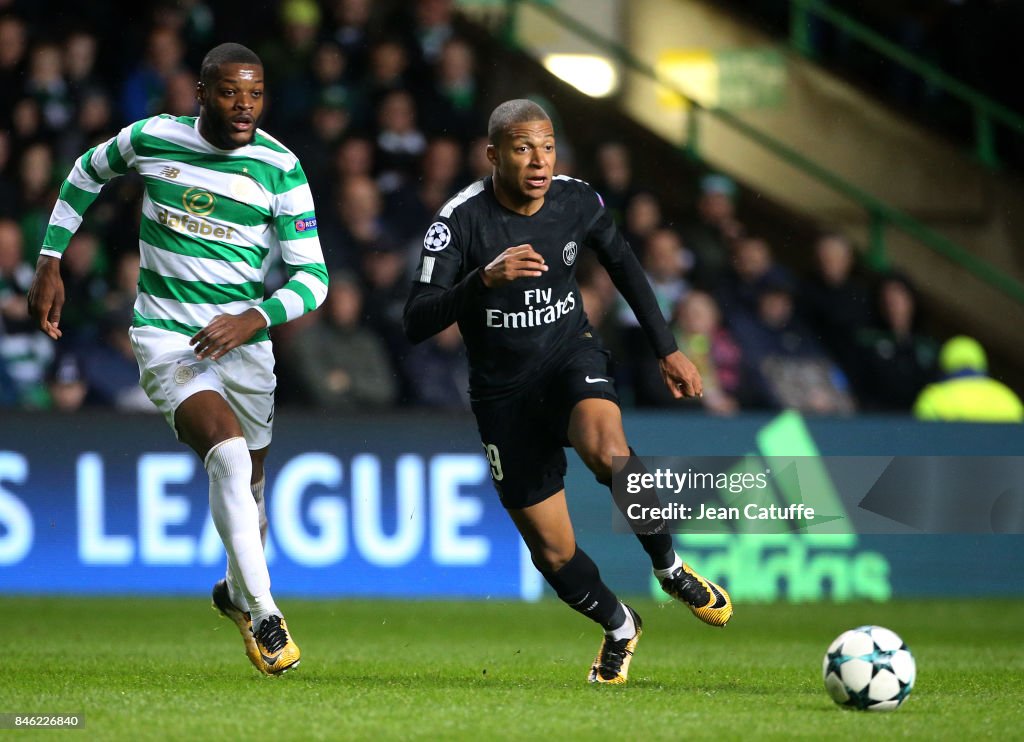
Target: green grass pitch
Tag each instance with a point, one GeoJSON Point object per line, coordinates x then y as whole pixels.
{"type": "Point", "coordinates": [169, 668]}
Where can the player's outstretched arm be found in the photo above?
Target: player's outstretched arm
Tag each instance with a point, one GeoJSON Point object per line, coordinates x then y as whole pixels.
{"type": "Point", "coordinates": [680, 375]}
{"type": "Point", "coordinates": [46, 296]}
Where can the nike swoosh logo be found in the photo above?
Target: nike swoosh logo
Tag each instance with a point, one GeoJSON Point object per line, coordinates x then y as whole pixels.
{"type": "Point", "coordinates": [720, 601]}
{"type": "Point", "coordinates": [593, 381]}
{"type": "Point", "coordinates": [270, 660]}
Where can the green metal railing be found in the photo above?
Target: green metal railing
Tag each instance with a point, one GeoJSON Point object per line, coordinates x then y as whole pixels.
{"type": "Point", "coordinates": [986, 113]}
{"type": "Point", "coordinates": [880, 213]}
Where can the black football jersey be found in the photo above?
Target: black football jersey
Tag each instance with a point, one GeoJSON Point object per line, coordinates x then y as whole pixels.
{"type": "Point", "coordinates": [514, 331]}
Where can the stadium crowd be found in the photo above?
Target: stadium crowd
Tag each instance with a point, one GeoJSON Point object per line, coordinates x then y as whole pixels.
{"type": "Point", "coordinates": [386, 111]}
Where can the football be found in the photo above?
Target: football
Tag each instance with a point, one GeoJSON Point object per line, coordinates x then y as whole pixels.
{"type": "Point", "coordinates": [869, 668]}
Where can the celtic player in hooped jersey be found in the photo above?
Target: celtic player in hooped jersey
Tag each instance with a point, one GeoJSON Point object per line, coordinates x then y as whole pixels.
{"type": "Point", "coordinates": [219, 193]}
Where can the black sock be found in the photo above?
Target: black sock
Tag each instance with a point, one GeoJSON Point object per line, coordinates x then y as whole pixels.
{"type": "Point", "coordinates": [578, 583]}
{"type": "Point", "coordinates": [654, 536]}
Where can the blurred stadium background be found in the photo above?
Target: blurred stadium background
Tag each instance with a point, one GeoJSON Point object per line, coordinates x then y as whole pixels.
{"type": "Point", "coordinates": [823, 193]}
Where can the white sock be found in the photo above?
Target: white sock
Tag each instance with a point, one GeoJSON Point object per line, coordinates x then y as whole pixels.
{"type": "Point", "coordinates": [626, 631]}
{"type": "Point", "coordinates": [257, 495]}
{"type": "Point", "coordinates": [661, 574]}
{"type": "Point", "coordinates": [236, 515]}
{"type": "Point", "coordinates": [234, 590]}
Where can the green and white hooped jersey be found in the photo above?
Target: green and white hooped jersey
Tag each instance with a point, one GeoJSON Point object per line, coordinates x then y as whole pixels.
{"type": "Point", "coordinates": [210, 218]}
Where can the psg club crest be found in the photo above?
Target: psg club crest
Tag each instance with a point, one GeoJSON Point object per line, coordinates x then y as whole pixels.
{"type": "Point", "coordinates": [569, 253]}
{"type": "Point", "coordinates": [437, 238]}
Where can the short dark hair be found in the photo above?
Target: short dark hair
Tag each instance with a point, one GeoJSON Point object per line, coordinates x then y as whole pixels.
{"type": "Point", "coordinates": [511, 112]}
{"type": "Point", "coordinates": [229, 53]}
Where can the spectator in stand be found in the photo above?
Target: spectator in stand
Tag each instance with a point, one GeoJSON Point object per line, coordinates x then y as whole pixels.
{"type": "Point", "coordinates": [643, 217]}
{"type": "Point", "coordinates": [25, 353]}
{"type": "Point", "coordinates": [599, 297]}
{"type": "Point", "coordinates": [385, 273]}
{"type": "Point", "coordinates": [713, 232]}
{"type": "Point", "coordinates": [400, 144]}
{"type": "Point", "coordinates": [753, 267]}
{"type": "Point", "coordinates": [437, 372]}
{"type": "Point", "coordinates": [180, 95]}
{"type": "Point", "coordinates": [598, 301]}
{"type": "Point", "coordinates": [296, 97]}
{"type": "Point", "coordinates": [124, 286]}
{"type": "Point", "coordinates": [110, 368]}
{"type": "Point", "coordinates": [666, 263]}
{"type": "Point", "coordinates": [143, 92]}
{"type": "Point", "coordinates": [699, 332]}
{"type": "Point", "coordinates": [287, 54]}
{"type": "Point", "coordinates": [26, 124]}
{"type": "Point", "coordinates": [85, 289]}
{"type": "Point", "coordinates": [966, 392]}
{"type": "Point", "coordinates": [476, 159]}
{"type": "Point", "coordinates": [784, 367]}
{"type": "Point", "coordinates": [353, 157]}
{"type": "Point", "coordinates": [339, 364]}
{"type": "Point", "coordinates": [566, 163]}
{"type": "Point", "coordinates": [834, 302]}
{"type": "Point", "coordinates": [8, 189]}
{"type": "Point", "coordinates": [66, 384]}
{"type": "Point", "coordinates": [46, 84]}
{"type": "Point", "coordinates": [389, 71]}
{"type": "Point", "coordinates": [321, 134]}
{"type": "Point", "coordinates": [15, 276]}
{"type": "Point", "coordinates": [94, 124]}
{"type": "Point", "coordinates": [614, 179]}
{"type": "Point", "coordinates": [37, 193]}
{"type": "Point", "coordinates": [358, 225]}
{"type": "Point", "coordinates": [191, 20]}
{"type": "Point", "coordinates": [13, 45]}
{"type": "Point", "coordinates": [80, 65]}
{"type": "Point", "coordinates": [8, 390]}
{"type": "Point", "coordinates": [897, 359]}
{"type": "Point", "coordinates": [352, 33]}
{"type": "Point", "coordinates": [451, 107]}
{"type": "Point", "coordinates": [329, 77]}
{"type": "Point", "coordinates": [413, 205]}
{"type": "Point", "coordinates": [430, 26]}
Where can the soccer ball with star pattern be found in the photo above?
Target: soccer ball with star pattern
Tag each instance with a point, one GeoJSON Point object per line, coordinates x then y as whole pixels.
{"type": "Point", "coordinates": [869, 668]}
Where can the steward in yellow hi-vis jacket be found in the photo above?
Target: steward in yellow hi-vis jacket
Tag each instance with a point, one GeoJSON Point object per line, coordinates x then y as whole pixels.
{"type": "Point", "coordinates": [968, 393]}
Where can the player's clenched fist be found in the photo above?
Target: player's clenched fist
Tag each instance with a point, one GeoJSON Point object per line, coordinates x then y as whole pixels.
{"type": "Point", "coordinates": [521, 261]}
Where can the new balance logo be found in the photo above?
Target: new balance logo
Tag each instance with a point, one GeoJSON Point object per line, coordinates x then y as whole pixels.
{"type": "Point", "coordinates": [170, 172]}
{"type": "Point", "coordinates": [595, 380]}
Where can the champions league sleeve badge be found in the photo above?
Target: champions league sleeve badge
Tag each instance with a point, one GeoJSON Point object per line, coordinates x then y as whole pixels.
{"type": "Point", "coordinates": [438, 237]}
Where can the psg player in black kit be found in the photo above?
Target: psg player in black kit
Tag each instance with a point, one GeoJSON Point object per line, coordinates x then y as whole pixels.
{"type": "Point", "coordinates": [500, 260]}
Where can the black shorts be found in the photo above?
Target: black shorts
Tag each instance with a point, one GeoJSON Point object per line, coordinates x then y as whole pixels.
{"type": "Point", "coordinates": [524, 435]}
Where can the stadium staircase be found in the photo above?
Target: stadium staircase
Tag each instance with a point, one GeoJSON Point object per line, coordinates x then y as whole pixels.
{"type": "Point", "coordinates": [830, 155]}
